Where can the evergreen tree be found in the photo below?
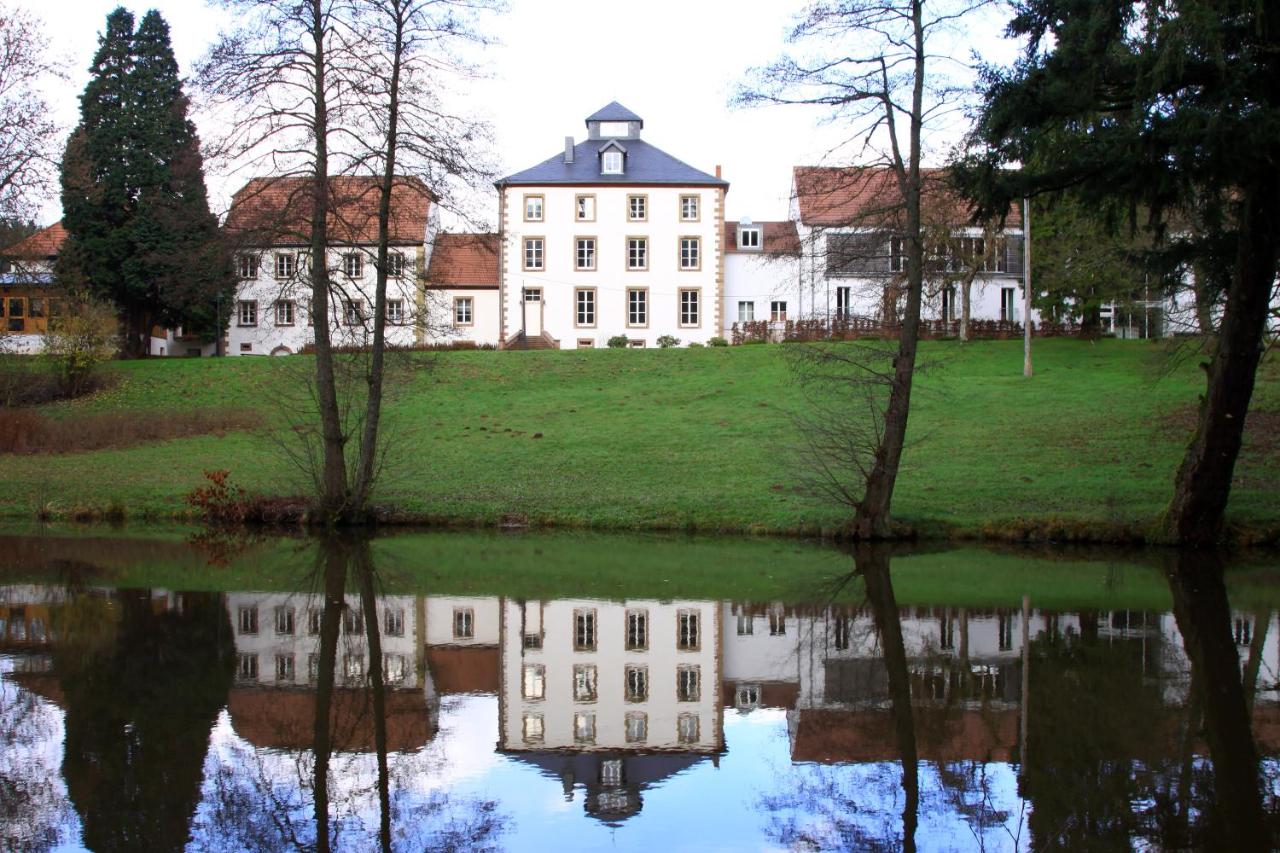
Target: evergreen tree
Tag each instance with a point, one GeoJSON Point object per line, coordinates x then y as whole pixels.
{"type": "Point", "coordinates": [140, 232]}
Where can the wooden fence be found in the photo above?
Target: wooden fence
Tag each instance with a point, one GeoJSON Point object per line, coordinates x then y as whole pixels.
{"type": "Point", "coordinates": [853, 327]}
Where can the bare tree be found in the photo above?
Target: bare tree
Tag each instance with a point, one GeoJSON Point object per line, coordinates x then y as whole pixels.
{"type": "Point", "coordinates": [28, 137]}
{"type": "Point", "coordinates": [312, 83]}
{"type": "Point", "coordinates": [875, 71]}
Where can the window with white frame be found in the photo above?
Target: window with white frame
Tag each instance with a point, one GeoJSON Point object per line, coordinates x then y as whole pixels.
{"type": "Point", "coordinates": [688, 728]}
{"type": "Point", "coordinates": [637, 208]}
{"type": "Point", "coordinates": [532, 294]}
{"type": "Point", "coordinates": [247, 666]}
{"type": "Point", "coordinates": [286, 265]}
{"type": "Point", "coordinates": [284, 668]}
{"type": "Point", "coordinates": [393, 668]}
{"type": "Point", "coordinates": [532, 728]}
{"type": "Point", "coordinates": [747, 697]}
{"type": "Point", "coordinates": [352, 621]}
{"type": "Point", "coordinates": [248, 266]}
{"type": "Point", "coordinates": [313, 666]}
{"type": "Point", "coordinates": [284, 620]}
{"type": "Point", "coordinates": [247, 312]}
{"type": "Point", "coordinates": [840, 633]}
{"type": "Point", "coordinates": [584, 683]}
{"type": "Point", "coordinates": [248, 620]}
{"type": "Point", "coordinates": [534, 681]}
{"type": "Point", "coordinates": [750, 237]}
{"type": "Point", "coordinates": [393, 622]}
{"type": "Point", "coordinates": [690, 308]}
{"type": "Point", "coordinates": [533, 208]}
{"type": "Point", "coordinates": [636, 683]}
{"type": "Point", "coordinates": [463, 311]}
{"type": "Point", "coordinates": [397, 263]}
{"type": "Point", "coordinates": [844, 299]}
{"type": "Point", "coordinates": [637, 307]}
{"type": "Point", "coordinates": [637, 630]}
{"type": "Point", "coordinates": [533, 253]}
{"type": "Point", "coordinates": [746, 312]}
{"type": "Point", "coordinates": [689, 208]}
{"type": "Point", "coordinates": [584, 207]}
{"type": "Point", "coordinates": [690, 253]}
{"type": "Point", "coordinates": [315, 618]}
{"type": "Point", "coordinates": [464, 623]}
{"type": "Point", "coordinates": [612, 773]}
{"type": "Point", "coordinates": [395, 311]}
{"type": "Point", "coordinates": [778, 310]}
{"type": "Point", "coordinates": [948, 304]}
{"type": "Point", "coordinates": [353, 264]}
{"type": "Point", "coordinates": [285, 312]}
{"type": "Point", "coordinates": [584, 727]}
{"type": "Point", "coordinates": [1008, 303]}
{"type": "Point", "coordinates": [637, 727]}
{"type": "Point", "coordinates": [584, 307]}
{"type": "Point", "coordinates": [687, 633]}
{"type": "Point", "coordinates": [688, 683]}
{"type": "Point", "coordinates": [585, 253]}
{"type": "Point", "coordinates": [777, 623]}
{"type": "Point", "coordinates": [897, 255]}
{"type": "Point", "coordinates": [746, 624]}
{"type": "Point", "coordinates": [611, 163]}
{"type": "Point", "coordinates": [353, 312]}
{"type": "Point", "coordinates": [584, 629]}
{"type": "Point", "coordinates": [637, 253]}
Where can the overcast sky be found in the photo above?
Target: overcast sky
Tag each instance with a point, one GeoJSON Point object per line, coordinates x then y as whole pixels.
{"type": "Point", "coordinates": [674, 62]}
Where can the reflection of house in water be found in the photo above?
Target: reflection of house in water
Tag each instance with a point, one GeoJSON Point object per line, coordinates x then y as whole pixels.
{"type": "Point", "coordinates": [615, 696]}
{"type": "Point", "coordinates": [277, 639]}
{"type": "Point", "coordinates": [965, 665]}
{"type": "Point", "coordinates": [462, 644]}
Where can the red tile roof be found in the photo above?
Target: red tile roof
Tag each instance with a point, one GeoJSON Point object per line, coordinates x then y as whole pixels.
{"type": "Point", "coordinates": [280, 718]}
{"type": "Point", "coordinates": [277, 211]}
{"type": "Point", "coordinates": [858, 195]}
{"type": "Point", "coordinates": [835, 737]}
{"type": "Point", "coordinates": [45, 243]}
{"type": "Point", "coordinates": [464, 669]}
{"type": "Point", "coordinates": [780, 238]}
{"type": "Point", "coordinates": [464, 259]}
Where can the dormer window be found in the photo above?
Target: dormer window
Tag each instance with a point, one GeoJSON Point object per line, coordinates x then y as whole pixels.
{"type": "Point", "coordinates": [749, 237]}
{"type": "Point", "coordinates": [615, 128]}
{"type": "Point", "coordinates": [611, 163]}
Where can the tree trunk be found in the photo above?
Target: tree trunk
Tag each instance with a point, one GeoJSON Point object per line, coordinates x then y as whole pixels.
{"type": "Point", "coordinates": [965, 307]}
{"type": "Point", "coordinates": [1196, 513]}
{"type": "Point", "coordinates": [333, 480]}
{"type": "Point", "coordinates": [368, 460]}
{"type": "Point", "coordinates": [377, 684]}
{"type": "Point", "coordinates": [1203, 617]}
{"type": "Point", "coordinates": [1204, 304]}
{"type": "Point", "coordinates": [873, 519]}
{"type": "Point", "coordinates": [335, 574]}
{"type": "Point", "coordinates": [873, 565]}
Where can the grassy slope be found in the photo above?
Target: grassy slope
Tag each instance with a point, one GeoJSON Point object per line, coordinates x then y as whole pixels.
{"type": "Point", "coordinates": [690, 438]}
{"type": "Point", "coordinates": [631, 566]}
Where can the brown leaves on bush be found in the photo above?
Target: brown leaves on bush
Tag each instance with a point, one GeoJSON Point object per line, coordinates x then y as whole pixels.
{"type": "Point", "coordinates": [25, 431]}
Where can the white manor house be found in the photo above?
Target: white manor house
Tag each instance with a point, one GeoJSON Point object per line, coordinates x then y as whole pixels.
{"type": "Point", "coordinates": [611, 238]}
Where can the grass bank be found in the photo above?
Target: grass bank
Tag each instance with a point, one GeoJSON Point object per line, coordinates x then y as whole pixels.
{"type": "Point", "coordinates": [691, 440]}
{"type": "Point", "coordinates": [620, 566]}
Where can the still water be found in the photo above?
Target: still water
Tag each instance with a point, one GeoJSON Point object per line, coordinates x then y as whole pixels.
{"type": "Point", "coordinates": [423, 693]}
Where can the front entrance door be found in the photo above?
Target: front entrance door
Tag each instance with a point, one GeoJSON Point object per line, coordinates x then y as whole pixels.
{"type": "Point", "coordinates": [532, 311]}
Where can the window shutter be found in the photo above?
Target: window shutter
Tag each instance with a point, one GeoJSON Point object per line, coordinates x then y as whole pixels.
{"type": "Point", "coordinates": [857, 254]}
{"type": "Point", "coordinates": [1013, 254]}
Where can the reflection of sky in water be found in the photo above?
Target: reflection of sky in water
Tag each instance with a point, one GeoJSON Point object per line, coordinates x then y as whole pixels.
{"type": "Point", "coordinates": [702, 808]}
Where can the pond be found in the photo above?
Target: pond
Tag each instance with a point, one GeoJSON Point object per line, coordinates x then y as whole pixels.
{"type": "Point", "coordinates": [465, 691]}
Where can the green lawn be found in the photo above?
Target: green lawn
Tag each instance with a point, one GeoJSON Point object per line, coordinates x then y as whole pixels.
{"type": "Point", "coordinates": [691, 439]}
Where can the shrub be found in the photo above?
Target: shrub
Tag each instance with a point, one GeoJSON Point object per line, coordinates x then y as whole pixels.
{"type": "Point", "coordinates": [717, 341]}
{"type": "Point", "coordinates": [619, 342]}
{"type": "Point", "coordinates": [78, 341]}
{"type": "Point", "coordinates": [668, 341]}
{"type": "Point", "coordinates": [695, 345]}
{"type": "Point", "coordinates": [25, 431]}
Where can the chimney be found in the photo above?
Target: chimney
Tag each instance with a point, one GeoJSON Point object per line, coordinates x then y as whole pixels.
{"type": "Point", "coordinates": [568, 150]}
{"type": "Point", "coordinates": [717, 170]}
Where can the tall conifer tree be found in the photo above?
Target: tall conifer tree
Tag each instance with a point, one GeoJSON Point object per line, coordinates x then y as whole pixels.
{"type": "Point", "coordinates": [134, 199]}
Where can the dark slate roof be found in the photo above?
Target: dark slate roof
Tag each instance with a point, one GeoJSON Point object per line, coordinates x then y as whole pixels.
{"type": "Point", "coordinates": [645, 164]}
{"type": "Point", "coordinates": [614, 112]}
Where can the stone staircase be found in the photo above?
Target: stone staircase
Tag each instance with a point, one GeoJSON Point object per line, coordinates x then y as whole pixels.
{"type": "Point", "coordinates": [523, 341]}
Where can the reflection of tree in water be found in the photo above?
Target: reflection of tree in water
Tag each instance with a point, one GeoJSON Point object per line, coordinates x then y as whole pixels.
{"type": "Point", "coordinates": [32, 809]}
{"type": "Point", "coordinates": [139, 710]}
{"type": "Point", "coordinates": [338, 795]}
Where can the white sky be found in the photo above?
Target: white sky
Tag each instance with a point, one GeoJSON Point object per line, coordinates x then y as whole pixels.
{"type": "Point", "coordinates": [674, 62]}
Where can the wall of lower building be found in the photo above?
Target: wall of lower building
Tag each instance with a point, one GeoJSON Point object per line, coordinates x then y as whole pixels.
{"type": "Point", "coordinates": [753, 283]}
{"type": "Point", "coordinates": [441, 310]}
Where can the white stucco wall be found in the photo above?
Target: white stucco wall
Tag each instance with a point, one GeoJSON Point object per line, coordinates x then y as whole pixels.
{"type": "Point", "coordinates": [611, 278]}
{"type": "Point", "coordinates": [760, 280]}
{"type": "Point", "coordinates": [267, 338]}
{"type": "Point", "coordinates": [440, 314]}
